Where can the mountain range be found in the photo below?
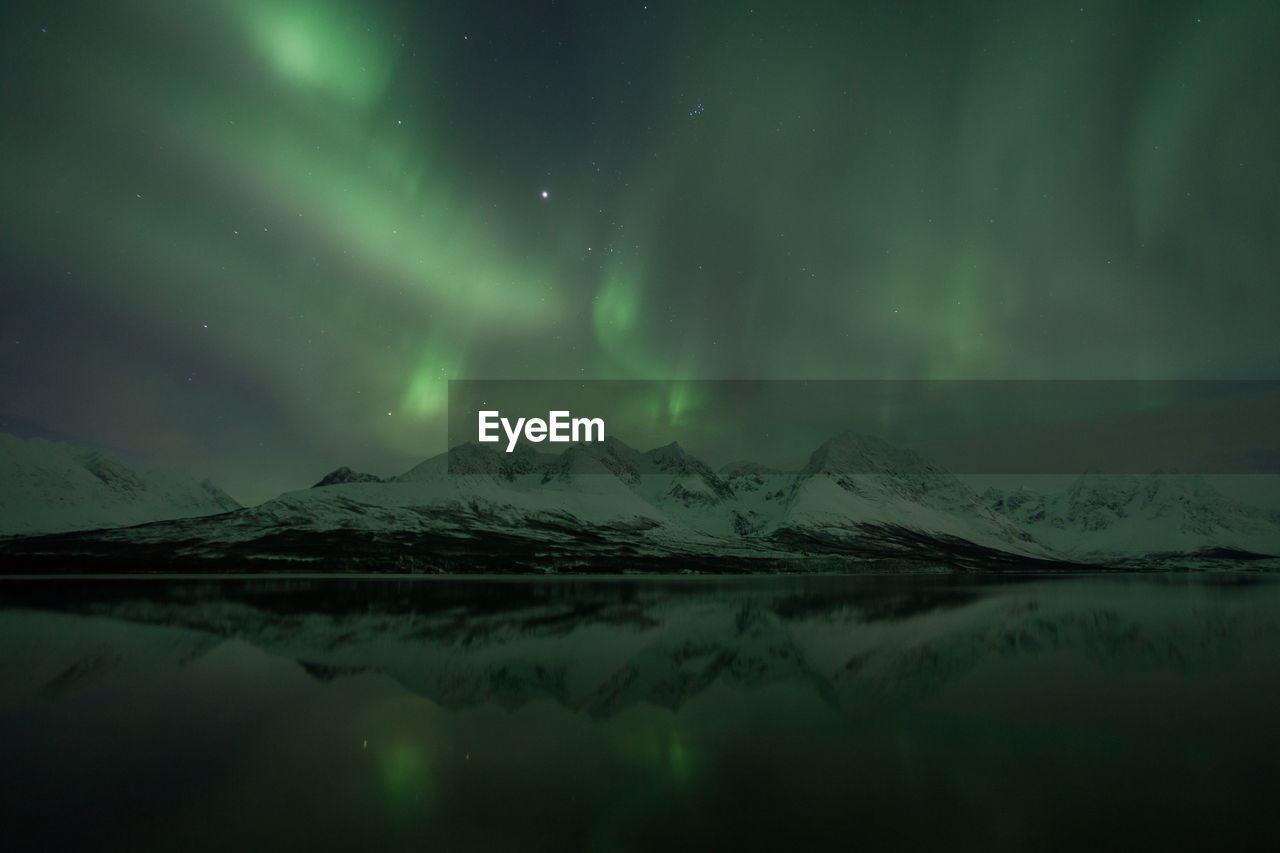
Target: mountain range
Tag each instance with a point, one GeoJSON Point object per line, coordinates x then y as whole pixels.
{"type": "Point", "coordinates": [859, 503]}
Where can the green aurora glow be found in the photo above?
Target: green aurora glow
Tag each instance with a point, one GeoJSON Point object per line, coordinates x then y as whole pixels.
{"type": "Point", "coordinates": [255, 238]}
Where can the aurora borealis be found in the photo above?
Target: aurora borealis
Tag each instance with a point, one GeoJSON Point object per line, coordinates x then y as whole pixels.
{"type": "Point", "coordinates": [255, 238]}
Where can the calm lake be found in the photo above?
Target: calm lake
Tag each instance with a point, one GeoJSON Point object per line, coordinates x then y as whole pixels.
{"type": "Point", "coordinates": [636, 714]}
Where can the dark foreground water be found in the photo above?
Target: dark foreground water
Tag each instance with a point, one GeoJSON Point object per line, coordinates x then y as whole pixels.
{"type": "Point", "coordinates": [764, 713]}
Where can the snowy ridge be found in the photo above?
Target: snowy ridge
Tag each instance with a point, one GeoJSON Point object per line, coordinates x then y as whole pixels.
{"type": "Point", "coordinates": [48, 487]}
{"type": "Point", "coordinates": [606, 506]}
{"type": "Point", "coordinates": [854, 480]}
{"type": "Point", "coordinates": [1123, 515]}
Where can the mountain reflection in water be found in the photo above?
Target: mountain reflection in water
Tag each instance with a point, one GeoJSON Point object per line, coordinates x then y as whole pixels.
{"type": "Point", "coordinates": [631, 714]}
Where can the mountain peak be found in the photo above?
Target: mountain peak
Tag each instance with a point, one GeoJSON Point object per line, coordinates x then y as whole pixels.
{"type": "Point", "coordinates": [346, 475]}
{"type": "Point", "coordinates": [857, 453]}
{"type": "Point", "coordinates": [672, 451]}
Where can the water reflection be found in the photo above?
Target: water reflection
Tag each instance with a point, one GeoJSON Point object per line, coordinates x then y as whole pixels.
{"type": "Point", "coordinates": [615, 714]}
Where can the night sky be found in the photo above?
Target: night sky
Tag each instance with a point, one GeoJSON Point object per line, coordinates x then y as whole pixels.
{"type": "Point", "coordinates": [253, 238]}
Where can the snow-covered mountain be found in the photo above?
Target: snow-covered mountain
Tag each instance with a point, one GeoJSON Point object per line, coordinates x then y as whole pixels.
{"type": "Point", "coordinates": [608, 507]}
{"type": "Point", "coordinates": [48, 487]}
{"type": "Point", "coordinates": [857, 487]}
{"type": "Point", "coordinates": [1110, 515]}
{"type": "Point", "coordinates": [856, 495]}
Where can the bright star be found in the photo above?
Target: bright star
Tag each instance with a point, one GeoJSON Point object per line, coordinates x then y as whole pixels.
{"type": "Point", "coordinates": [545, 193]}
